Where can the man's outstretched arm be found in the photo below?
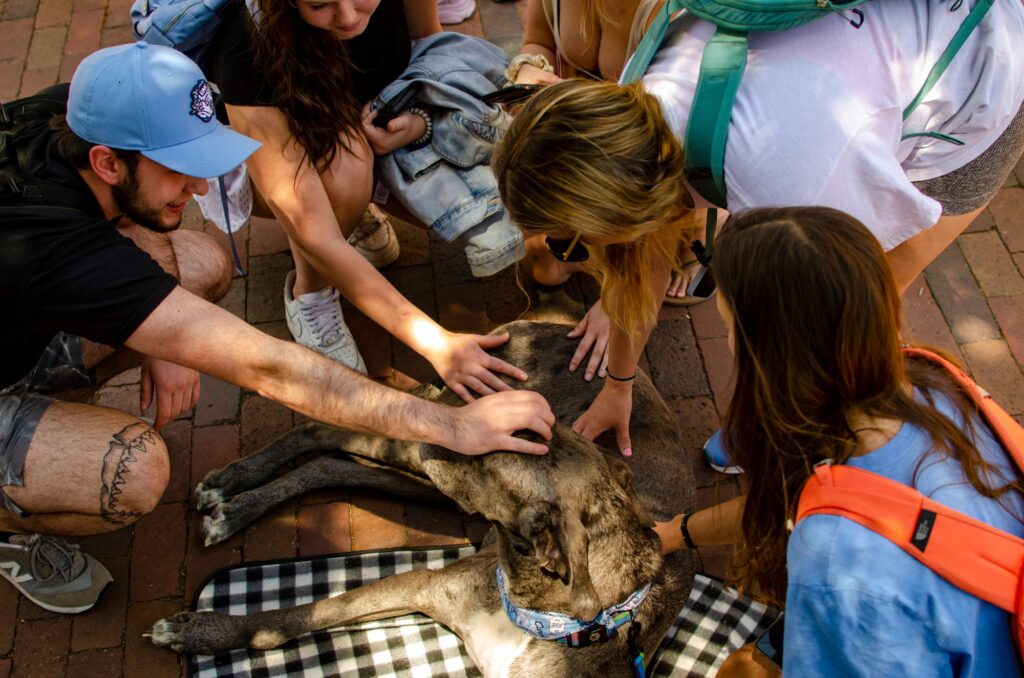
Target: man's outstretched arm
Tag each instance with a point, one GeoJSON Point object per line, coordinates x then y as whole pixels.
{"type": "Point", "coordinates": [189, 331]}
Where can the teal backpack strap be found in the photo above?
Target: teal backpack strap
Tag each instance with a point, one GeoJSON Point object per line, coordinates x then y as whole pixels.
{"type": "Point", "coordinates": [650, 43]}
{"type": "Point", "coordinates": [721, 69]}
{"type": "Point", "coordinates": [975, 16]}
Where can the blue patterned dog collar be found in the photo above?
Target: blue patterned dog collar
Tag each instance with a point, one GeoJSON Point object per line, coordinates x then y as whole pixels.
{"type": "Point", "coordinates": [566, 629]}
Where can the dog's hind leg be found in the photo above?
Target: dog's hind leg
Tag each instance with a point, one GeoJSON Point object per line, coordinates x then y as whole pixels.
{"type": "Point", "coordinates": [252, 471]}
{"type": "Point", "coordinates": [440, 594]}
{"type": "Point", "coordinates": [232, 515]}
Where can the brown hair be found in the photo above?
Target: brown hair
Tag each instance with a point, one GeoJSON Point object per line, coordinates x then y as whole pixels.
{"type": "Point", "coordinates": [74, 150]}
{"type": "Point", "coordinates": [311, 72]}
{"type": "Point", "coordinates": [599, 158]}
{"type": "Point", "coordinates": [817, 338]}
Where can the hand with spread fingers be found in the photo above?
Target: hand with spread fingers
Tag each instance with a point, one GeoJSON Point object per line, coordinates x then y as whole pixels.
{"type": "Point", "coordinates": [610, 411]}
{"type": "Point", "coordinates": [488, 424]}
{"type": "Point", "coordinates": [465, 366]}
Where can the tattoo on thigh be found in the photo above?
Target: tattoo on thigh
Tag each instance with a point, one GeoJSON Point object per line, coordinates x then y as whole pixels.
{"type": "Point", "coordinates": [125, 449]}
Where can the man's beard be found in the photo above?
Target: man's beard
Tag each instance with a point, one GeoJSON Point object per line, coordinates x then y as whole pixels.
{"type": "Point", "coordinates": [129, 202]}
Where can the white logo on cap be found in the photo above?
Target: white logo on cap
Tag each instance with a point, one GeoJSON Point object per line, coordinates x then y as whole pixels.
{"type": "Point", "coordinates": [202, 101]}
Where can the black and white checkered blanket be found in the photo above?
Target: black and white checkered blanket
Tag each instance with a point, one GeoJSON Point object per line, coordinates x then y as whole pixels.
{"type": "Point", "coordinates": [714, 622]}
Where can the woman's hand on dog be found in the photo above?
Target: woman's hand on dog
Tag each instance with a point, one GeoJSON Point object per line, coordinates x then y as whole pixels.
{"type": "Point", "coordinates": [610, 411]}
{"type": "Point", "coordinates": [594, 330]}
{"type": "Point", "coordinates": [488, 424]}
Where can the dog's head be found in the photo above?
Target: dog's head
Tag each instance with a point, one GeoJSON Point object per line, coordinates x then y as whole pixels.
{"type": "Point", "coordinates": [567, 512]}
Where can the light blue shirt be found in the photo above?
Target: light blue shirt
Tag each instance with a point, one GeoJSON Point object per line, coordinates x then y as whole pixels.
{"type": "Point", "coordinates": [857, 604]}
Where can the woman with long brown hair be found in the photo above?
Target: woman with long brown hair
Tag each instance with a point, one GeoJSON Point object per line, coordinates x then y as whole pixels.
{"type": "Point", "coordinates": [814, 325]}
{"type": "Point", "coordinates": [298, 76]}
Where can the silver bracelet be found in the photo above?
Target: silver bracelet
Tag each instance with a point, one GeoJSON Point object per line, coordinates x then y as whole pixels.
{"type": "Point", "coordinates": [422, 141]}
{"type": "Point", "coordinates": [537, 60]}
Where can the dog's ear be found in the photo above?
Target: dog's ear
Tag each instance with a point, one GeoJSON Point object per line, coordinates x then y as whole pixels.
{"type": "Point", "coordinates": [624, 477]}
{"type": "Point", "coordinates": [560, 544]}
{"type": "Point", "coordinates": [585, 603]}
{"type": "Point", "coordinates": [539, 523]}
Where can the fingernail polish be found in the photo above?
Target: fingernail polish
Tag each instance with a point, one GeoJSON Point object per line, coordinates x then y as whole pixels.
{"type": "Point", "coordinates": [628, 452]}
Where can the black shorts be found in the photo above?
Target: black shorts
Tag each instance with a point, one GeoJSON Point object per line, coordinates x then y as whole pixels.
{"type": "Point", "coordinates": [22, 404]}
{"type": "Point", "coordinates": [975, 184]}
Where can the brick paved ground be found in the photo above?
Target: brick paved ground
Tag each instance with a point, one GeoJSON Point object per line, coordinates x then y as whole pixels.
{"type": "Point", "coordinates": [971, 302]}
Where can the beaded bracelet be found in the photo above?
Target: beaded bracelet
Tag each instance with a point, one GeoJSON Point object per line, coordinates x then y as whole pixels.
{"type": "Point", "coordinates": [608, 374]}
{"type": "Point", "coordinates": [685, 531]}
{"type": "Point", "coordinates": [537, 60]}
{"type": "Point", "coordinates": [422, 141]}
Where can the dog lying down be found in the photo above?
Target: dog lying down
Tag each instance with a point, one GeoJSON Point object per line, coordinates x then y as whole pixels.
{"type": "Point", "coordinates": [570, 581]}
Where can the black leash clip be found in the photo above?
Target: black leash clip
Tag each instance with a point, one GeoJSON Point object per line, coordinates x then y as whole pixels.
{"type": "Point", "coordinates": [639, 665]}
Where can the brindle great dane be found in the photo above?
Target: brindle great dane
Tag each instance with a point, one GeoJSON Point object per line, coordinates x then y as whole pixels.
{"type": "Point", "coordinates": [571, 528]}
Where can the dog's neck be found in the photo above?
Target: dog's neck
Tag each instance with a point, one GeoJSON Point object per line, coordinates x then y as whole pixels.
{"type": "Point", "coordinates": [623, 557]}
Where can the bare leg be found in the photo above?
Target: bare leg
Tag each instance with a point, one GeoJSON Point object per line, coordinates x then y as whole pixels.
{"type": "Point", "coordinates": [88, 470]}
{"type": "Point", "coordinates": [912, 256]}
{"type": "Point", "coordinates": [201, 265]}
{"type": "Point", "coordinates": [349, 183]}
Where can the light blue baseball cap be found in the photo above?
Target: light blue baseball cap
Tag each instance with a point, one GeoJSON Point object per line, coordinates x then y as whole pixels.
{"type": "Point", "coordinates": [154, 100]}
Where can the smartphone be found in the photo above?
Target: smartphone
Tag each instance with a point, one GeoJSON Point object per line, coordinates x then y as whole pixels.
{"type": "Point", "coordinates": [770, 643]}
{"type": "Point", "coordinates": [510, 95]}
{"type": "Point", "coordinates": [390, 109]}
{"type": "Point", "coordinates": [702, 285]}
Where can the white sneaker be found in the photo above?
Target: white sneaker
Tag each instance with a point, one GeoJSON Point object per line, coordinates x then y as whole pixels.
{"type": "Point", "coordinates": [316, 322]}
{"type": "Point", "coordinates": [455, 11]}
{"type": "Point", "coordinates": [375, 238]}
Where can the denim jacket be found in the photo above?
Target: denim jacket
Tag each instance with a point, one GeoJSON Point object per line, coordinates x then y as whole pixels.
{"type": "Point", "coordinates": [448, 183]}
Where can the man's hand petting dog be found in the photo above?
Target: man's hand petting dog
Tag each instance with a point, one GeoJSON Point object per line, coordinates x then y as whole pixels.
{"type": "Point", "coordinates": [488, 423]}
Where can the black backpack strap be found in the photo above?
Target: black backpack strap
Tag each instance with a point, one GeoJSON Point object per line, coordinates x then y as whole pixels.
{"type": "Point", "coordinates": [23, 117]}
{"type": "Point", "coordinates": [50, 101]}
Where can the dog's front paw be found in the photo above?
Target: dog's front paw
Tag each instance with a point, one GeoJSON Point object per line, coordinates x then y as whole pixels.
{"type": "Point", "coordinates": [216, 526]}
{"type": "Point", "coordinates": [199, 633]}
{"type": "Point", "coordinates": [207, 496]}
{"type": "Point", "coordinates": [217, 486]}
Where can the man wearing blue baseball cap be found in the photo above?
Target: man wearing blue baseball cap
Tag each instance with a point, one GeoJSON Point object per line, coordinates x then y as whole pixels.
{"type": "Point", "coordinates": [96, 278]}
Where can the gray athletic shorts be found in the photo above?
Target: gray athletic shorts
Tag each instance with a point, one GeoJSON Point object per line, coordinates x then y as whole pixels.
{"type": "Point", "coordinates": [975, 184]}
{"type": "Point", "coordinates": [23, 404]}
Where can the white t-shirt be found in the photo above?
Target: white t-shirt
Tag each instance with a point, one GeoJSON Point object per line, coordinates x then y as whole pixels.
{"type": "Point", "coordinates": [818, 114]}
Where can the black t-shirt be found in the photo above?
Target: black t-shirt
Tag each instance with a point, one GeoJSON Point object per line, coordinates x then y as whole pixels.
{"type": "Point", "coordinates": [377, 56]}
{"type": "Point", "coordinates": [66, 270]}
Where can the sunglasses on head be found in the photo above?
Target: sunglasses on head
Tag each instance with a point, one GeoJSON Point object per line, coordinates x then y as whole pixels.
{"type": "Point", "coordinates": [569, 250]}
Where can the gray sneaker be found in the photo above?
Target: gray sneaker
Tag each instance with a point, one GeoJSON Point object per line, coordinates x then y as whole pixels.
{"type": "Point", "coordinates": [52, 572]}
{"type": "Point", "coordinates": [375, 238]}
{"type": "Point", "coordinates": [315, 321]}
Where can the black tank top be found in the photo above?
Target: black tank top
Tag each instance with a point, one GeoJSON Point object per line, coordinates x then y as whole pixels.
{"type": "Point", "coordinates": [378, 56]}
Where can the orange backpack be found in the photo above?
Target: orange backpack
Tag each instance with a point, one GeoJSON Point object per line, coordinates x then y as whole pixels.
{"type": "Point", "coordinates": [973, 556]}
